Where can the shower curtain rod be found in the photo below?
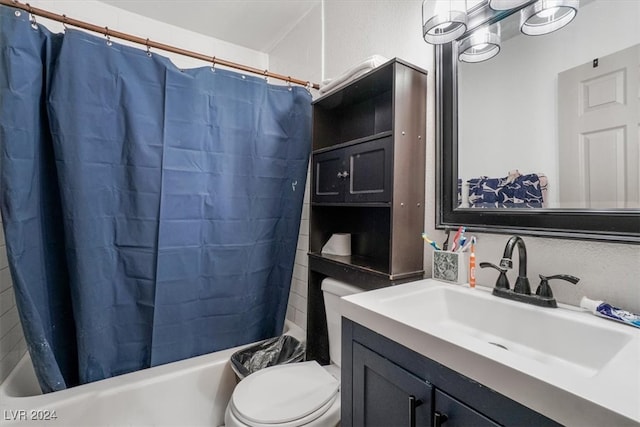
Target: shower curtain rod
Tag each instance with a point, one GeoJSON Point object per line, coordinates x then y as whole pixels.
{"type": "Point", "coordinates": [34, 11]}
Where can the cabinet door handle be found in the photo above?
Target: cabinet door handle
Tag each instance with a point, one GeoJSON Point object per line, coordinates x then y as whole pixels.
{"type": "Point", "coordinates": [345, 174]}
{"type": "Point", "coordinates": [339, 174]}
{"type": "Point", "coordinates": [439, 419]}
{"type": "Point", "coordinates": [413, 404]}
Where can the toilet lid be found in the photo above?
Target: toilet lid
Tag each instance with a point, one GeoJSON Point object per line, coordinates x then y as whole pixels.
{"type": "Point", "coordinates": [284, 393]}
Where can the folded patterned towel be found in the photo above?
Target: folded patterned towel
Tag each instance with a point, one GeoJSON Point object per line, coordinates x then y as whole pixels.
{"type": "Point", "coordinates": [351, 74]}
{"type": "Point", "coordinates": [515, 190]}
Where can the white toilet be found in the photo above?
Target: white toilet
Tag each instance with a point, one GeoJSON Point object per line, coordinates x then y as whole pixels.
{"type": "Point", "coordinates": [296, 394]}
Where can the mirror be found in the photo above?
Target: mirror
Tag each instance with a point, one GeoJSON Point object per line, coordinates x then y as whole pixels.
{"type": "Point", "coordinates": [544, 137]}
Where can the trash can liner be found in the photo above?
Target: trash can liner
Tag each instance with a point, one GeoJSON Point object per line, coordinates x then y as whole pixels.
{"type": "Point", "coordinates": [273, 351]}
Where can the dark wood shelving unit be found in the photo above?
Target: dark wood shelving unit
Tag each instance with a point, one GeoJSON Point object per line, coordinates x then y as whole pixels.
{"type": "Point", "coordinates": [367, 179]}
{"type": "Point", "coordinates": [354, 142]}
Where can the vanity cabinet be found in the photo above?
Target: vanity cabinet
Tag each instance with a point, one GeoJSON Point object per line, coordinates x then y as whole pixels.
{"type": "Point", "coordinates": [391, 395]}
{"type": "Point", "coordinates": [367, 180]}
{"type": "Point", "coordinates": [386, 384]}
{"type": "Point", "coordinates": [453, 413]}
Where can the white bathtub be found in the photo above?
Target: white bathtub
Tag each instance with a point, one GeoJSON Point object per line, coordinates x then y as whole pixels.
{"type": "Point", "coordinates": [192, 392]}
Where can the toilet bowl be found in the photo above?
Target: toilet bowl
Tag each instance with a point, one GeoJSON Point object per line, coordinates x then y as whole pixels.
{"type": "Point", "coordinates": [297, 394]}
{"type": "Point", "coordinates": [292, 395]}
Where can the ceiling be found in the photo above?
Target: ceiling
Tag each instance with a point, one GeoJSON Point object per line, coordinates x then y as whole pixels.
{"type": "Point", "coordinates": [256, 24]}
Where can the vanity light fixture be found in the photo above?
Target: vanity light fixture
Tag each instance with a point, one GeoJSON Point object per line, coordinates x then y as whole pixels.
{"type": "Point", "coordinates": [506, 4]}
{"type": "Point", "coordinates": [547, 16]}
{"type": "Point", "coordinates": [482, 44]}
{"type": "Point", "coordinates": [445, 21]}
{"type": "Point", "coordinates": [448, 22]}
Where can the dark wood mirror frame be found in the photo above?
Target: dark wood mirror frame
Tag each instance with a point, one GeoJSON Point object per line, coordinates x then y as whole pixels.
{"type": "Point", "coordinates": [606, 225]}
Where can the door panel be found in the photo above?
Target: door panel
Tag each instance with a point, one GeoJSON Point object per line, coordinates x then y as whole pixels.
{"type": "Point", "coordinates": [606, 147]}
{"type": "Point", "coordinates": [454, 413]}
{"type": "Point", "coordinates": [370, 172]}
{"type": "Point", "coordinates": [328, 182]}
{"type": "Point", "coordinates": [599, 148]}
{"type": "Point", "coordinates": [386, 395]}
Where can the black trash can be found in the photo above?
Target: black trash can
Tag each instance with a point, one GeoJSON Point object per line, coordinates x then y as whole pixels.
{"type": "Point", "coordinates": [273, 351]}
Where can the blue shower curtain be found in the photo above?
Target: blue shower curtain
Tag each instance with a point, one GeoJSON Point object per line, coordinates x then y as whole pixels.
{"type": "Point", "coordinates": [151, 214]}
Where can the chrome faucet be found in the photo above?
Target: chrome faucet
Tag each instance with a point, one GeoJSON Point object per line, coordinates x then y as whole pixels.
{"type": "Point", "coordinates": [522, 282]}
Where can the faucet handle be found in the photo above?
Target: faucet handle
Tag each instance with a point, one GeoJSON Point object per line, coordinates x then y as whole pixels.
{"type": "Point", "coordinates": [544, 290]}
{"type": "Point", "coordinates": [502, 282]}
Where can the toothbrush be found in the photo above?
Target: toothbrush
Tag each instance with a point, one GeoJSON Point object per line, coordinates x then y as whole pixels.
{"type": "Point", "coordinates": [461, 243]}
{"type": "Point", "coordinates": [461, 230]}
{"type": "Point", "coordinates": [472, 263]}
{"type": "Point", "coordinates": [467, 244]}
{"type": "Point", "coordinates": [445, 245]}
{"type": "Point", "coordinates": [431, 242]}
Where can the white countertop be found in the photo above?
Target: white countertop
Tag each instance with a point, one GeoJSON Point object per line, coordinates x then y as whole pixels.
{"type": "Point", "coordinates": [610, 397]}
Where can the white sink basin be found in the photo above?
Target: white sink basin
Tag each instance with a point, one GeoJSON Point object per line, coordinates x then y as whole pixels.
{"type": "Point", "coordinates": [545, 335]}
{"type": "Point", "coordinates": [563, 362]}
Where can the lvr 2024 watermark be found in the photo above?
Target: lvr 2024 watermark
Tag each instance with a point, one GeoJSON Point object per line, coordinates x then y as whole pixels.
{"type": "Point", "coordinates": [29, 415]}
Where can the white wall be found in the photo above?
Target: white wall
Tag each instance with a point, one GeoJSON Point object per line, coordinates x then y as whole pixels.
{"type": "Point", "coordinates": [354, 30]}
{"type": "Point", "coordinates": [102, 14]}
{"type": "Point", "coordinates": [12, 344]}
{"type": "Point", "coordinates": [525, 138]}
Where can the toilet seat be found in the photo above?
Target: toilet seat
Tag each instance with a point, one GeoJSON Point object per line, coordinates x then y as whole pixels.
{"type": "Point", "coordinates": [285, 395]}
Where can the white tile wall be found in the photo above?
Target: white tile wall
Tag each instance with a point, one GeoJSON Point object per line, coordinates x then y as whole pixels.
{"type": "Point", "coordinates": [297, 308]}
{"type": "Point", "coordinates": [12, 343]}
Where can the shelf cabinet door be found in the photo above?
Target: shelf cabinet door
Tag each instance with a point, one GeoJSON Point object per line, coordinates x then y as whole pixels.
{"type": "Point", "coordinates": [450, 412]}
{"type": "Point", "coordinates": [384, 394]}
{"type": "Point", "coordinates": [369, 167]}
{"type": "Point", "coordinates": [360, 173]}
{"type": "Point", "coordinates": [328, 180]}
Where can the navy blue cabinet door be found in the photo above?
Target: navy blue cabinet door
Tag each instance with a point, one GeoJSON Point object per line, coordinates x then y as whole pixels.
{"type": "Point", "coordinates": [450, 412]}
{"type": "Point", "coordinates": [385, 395]}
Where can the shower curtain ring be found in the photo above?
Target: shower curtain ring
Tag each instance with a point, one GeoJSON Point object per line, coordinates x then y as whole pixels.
{"type": "Point", "coordinates": [148, 48]}
{"type": "Point", "coordinates": [213, 64]}
{"type": "Point", "coordinates": [289, 82]}
{"type": "Point", "coordinates": [308, 86]}
{"type": "Point", "coordinates": [266, 75]}
{"type": "Point", "coordinates": [64, 22]}
{"type": "Point", "coordinates": [106, 34]}
{"type": "Point", "coordinates": [32, 17]}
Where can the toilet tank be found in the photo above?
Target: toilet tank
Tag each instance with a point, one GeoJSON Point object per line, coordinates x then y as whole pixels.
{"type": "Point", "coordinates": [332, 290]}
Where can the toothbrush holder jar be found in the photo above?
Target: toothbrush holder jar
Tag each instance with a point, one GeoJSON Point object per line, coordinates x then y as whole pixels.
{"type": "Point", "coordinates": [451, 266]}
